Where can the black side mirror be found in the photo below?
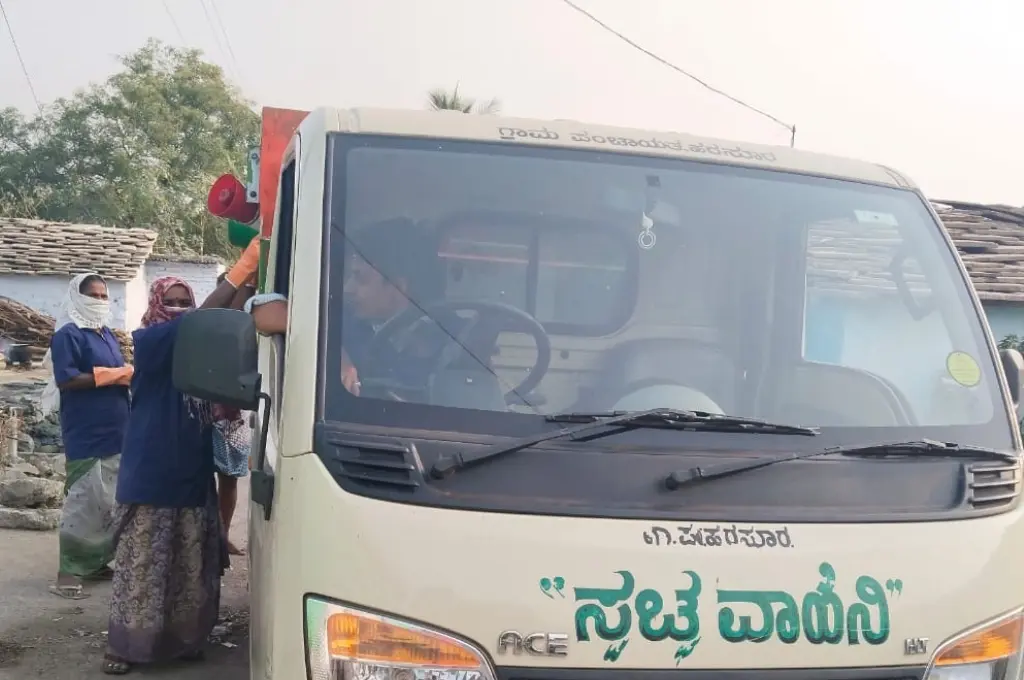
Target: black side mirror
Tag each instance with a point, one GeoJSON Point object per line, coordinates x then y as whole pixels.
{"type": "Point", "coordinates": [216, 358]}
{"type": "Point", "coordinates": [1013, 367]}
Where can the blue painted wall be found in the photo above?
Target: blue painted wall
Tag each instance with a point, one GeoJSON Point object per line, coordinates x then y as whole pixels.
{"type": "Point", "coordinates": [849, 334]}
{"type": "Point", "coordinates": [1005, 319]}
{"type": "Point", "coordinates": [846, 334]}
{"type": "Point", "coordinates": [880, 337]}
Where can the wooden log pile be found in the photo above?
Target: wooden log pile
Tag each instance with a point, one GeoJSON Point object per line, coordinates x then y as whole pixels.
{"type": "Point", "coordinates": [23, 325]}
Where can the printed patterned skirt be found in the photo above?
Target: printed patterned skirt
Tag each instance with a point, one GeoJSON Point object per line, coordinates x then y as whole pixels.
{"type": "Point", "coordinates": [166, 588]}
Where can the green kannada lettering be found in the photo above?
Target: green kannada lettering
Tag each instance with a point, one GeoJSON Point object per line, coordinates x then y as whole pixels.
{"type": "Point", "coordinates": [822, 611]}
{"type": "Point", "coordinates": [615, 650]}
{"type": "Point", "coordinates": [785, 622]}
{"type": "Point", "coordinates": [858, 617]}
{"type": "Point", "coordinates": [649, 604]}
{"type": "Point", "coordinates": [606, 598]}
{"type": "Point", "coordinates": [820, 617]}
{"type": "Point", "coordinates": [686, 649]}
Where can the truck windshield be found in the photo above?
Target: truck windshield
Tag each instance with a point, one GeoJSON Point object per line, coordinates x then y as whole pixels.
{"type": "Point", "coordinates": [473, 285]}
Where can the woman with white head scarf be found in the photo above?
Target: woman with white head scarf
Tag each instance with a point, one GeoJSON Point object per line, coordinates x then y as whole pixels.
{"type": "Point", "coordinates": [89, 386]}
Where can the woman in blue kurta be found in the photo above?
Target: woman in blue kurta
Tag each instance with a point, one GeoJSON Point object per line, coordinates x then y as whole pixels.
{"type": "Point", "coordinates": [90, 384]}
{"type": "Point", "coordinates": [171, 549]}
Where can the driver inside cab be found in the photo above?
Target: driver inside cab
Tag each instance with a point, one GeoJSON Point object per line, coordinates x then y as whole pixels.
{"type": "Point", "coordinates": [379, 278]}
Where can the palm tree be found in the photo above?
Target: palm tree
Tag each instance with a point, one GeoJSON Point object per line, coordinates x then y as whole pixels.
{"type": "Point", "coordinates": [443, 100]}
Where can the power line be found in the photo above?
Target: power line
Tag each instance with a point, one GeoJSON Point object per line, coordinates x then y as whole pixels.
{"type": "Point", "coordinates": [209, 24]}
{"type": "Point", "coordinates": [21, 60]}
{"type": "Point", "coordinates": [699, 81]}
{"type": "Point", "coordinates": [174, 22]}
{"type": "Point", "coordinates": [227, 38]}
{"type": "Point", "coordinates": [216, 37]}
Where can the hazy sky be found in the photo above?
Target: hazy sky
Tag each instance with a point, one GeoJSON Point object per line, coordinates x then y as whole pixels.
{"type": "Point", "coordinates": [931, 87]}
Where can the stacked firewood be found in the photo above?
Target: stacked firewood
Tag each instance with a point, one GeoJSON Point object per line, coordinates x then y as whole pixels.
{"type": "Point", "coordinates": [22, 325]}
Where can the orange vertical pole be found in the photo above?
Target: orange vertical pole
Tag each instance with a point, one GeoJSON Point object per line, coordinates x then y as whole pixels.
{"type": "Point", "coordinates": [278, 127]}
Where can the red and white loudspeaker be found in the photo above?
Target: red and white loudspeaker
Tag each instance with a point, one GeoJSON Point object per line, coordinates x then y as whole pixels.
{"type": "Point", "coordinates": [227, 200]}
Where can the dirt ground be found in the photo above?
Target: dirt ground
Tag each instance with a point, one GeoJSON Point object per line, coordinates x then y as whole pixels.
{"type": "Point", "coordinates": [44, 636]}
{"type": "Point", "coordinates": [19, 375]}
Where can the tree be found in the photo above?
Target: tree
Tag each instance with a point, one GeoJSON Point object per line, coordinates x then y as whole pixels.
{"type": "Point", "coordinates": [443, 100]}
{"type": "Point", "coordinates": [1012, 342]}
{"type": "Point", "coordinates": [138, 150]}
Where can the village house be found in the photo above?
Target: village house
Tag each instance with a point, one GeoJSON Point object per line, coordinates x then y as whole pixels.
{"type": "Point", "coordinates": [990, 239]}
{"type": "Point", "coordinates": [38, 259]}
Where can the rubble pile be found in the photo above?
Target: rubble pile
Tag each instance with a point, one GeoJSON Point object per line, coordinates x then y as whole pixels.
{"type": "Point", "coordinates": [32, 472]}
{"type": "Point", "coordinates": [22, 325]}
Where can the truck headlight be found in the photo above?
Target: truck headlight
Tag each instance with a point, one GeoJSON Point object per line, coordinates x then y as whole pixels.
{"type": "Point", "coordinates": [989, 651]}
{"type": "Point", "coordinates": [344, 643]}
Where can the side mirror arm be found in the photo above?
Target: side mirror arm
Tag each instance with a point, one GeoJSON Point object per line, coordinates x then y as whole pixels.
{"type": "Point", "coordinates": [261, 483]}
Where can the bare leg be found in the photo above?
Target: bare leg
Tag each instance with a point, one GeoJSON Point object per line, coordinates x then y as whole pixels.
{"type": "Point", "coordinates": [68, 580]}
{"type": "Point", "coordinates": [227, 498]}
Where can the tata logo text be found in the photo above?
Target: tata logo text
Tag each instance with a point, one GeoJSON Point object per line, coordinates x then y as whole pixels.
{"type": "Point", "coordinates": [534, 644]}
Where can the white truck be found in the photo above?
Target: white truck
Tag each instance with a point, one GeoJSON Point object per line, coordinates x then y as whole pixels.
{"type": "Point", "coordinates": [621, 405]}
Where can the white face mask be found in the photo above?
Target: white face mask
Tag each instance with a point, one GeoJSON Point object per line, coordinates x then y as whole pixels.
{"type": "Point", "coordinates": [98, 309]}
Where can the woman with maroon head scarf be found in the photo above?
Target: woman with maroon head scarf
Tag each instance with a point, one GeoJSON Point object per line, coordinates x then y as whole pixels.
{"type": "Point", "coordinates": [170, 546]}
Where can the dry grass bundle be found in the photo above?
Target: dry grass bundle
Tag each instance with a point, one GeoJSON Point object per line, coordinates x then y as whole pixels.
{"type": "Point", "coordinates": [26, 326]}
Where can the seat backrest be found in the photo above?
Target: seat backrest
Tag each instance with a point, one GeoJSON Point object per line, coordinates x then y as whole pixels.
{"type": "Point", "coordinates": [664, 362]}
{"type": "Point", "coordinates": [812, 393]}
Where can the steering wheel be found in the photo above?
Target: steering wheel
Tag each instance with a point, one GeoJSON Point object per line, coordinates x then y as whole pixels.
{"type": "Point", "coordinates": [510, 318]}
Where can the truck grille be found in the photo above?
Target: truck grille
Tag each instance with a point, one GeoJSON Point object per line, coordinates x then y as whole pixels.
{"type": "Point", "coordinates": [992, 485]}
{"type": "Point", "coordinates": [377, 464]}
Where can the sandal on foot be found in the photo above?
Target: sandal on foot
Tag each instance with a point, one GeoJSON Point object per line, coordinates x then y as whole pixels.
{"type": "Point", "coordinates": [69, 592]}
{"type": "Point", "coordinates": [103, 574]}
{"type": "Point", "coordinates": [115, 666]}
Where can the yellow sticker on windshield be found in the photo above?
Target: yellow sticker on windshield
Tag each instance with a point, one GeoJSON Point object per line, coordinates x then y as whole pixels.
{"type": "Point", "coordinates": [963, 369]}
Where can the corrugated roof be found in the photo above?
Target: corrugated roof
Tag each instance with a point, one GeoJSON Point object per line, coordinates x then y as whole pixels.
{"type": "Point", "coordinates": [185, 258]}
{"type": "Point", "coordinates": [990, 239]}
{"type": "Point", "coordinates": [40, 248]}
{"type": "Point", "coordinates": [849, 257]}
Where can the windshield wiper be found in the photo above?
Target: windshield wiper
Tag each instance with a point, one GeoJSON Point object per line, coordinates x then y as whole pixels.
{"type": "Point", "coordinates": [590, 425]}
{"type": "Point", "coordinates": [924, 448]}
{"type": "Point", "coordinates": [696, 420]}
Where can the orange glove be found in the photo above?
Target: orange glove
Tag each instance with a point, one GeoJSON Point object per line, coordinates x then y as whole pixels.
{"type": "Point", "coordinates": [112, 376]}
{"type": "Point", "coordinates": [349, 376]}
{"type": "Point", "coordinates": [247, 266]}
